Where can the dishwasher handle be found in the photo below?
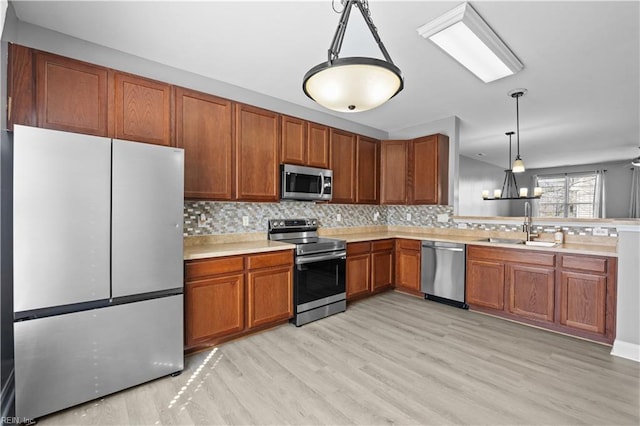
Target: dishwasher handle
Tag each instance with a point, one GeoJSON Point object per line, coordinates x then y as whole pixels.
{"type": "Point", "coordinates": [448, 248]}
{"type": "Point", "coordinates": [443, 245]}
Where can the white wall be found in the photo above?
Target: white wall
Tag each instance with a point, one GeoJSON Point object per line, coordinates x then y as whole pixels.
{"type": "Point", "coordinates": [476, 176]}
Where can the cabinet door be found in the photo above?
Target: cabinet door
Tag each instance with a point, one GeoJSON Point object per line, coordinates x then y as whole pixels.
{"type": "Point", "coordinates": [214, 307]}
{"type": "Point", "coordinates": [381, 270]}
{"type": "Point", "coordinates": [583, 301]}
{"type": "Point", "coordinates": [203, 129]}
{"type": "Point", "coordinates": [293, 141]}
{"type": "Point", "coordinates": [71, 95]}
{"type": "Point", "coordinates": [142, 110]}
{"type": "Point", "coordinates": [531, 292]}
{"type": "Point", "coordinates": [429, 169]}
{"type": "Point", "coordinates": [358, 274]}
{"type": "Point", "coordinates": [317, 145]}
{"type": "Point", "coordinates": [393, 172]}
{"type": "Point", "coordinates": [256, 153]}
{"type": "Point", "coordinates": [408, 269]}
{"type": "Point", "coordinates": [343, 164]}
{"type": "Point", "coordinates": [269, 295]}
{"type": "Point", "coordinates": [485, 284]}
{"type": "Point", "coordinates": [367, 171]}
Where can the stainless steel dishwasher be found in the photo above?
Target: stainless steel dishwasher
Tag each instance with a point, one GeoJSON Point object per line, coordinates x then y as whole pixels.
{"type": "Point", "coordinates": [443, 272]}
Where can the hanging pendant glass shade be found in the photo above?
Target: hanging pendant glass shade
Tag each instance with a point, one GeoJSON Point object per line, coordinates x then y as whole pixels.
{"type": "Point", "coordinates": [353, 84]}
{"type": "Point", "coordinates": [518, 165]}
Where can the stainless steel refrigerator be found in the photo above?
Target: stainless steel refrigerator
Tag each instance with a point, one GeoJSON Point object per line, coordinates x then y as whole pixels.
{"type": "Point", "coordinates": [98, 304]}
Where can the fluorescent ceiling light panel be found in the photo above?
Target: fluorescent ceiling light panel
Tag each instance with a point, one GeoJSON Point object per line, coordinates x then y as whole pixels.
{"type": "Point", "coordinates": [464, 35]}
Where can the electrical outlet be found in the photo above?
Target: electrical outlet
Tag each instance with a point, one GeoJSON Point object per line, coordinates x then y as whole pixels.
{"type": "Point", "coordinates": [443, 217]}
{"type": "Point", "coordinates": [202, 219]}
{"type": "Point", "coordinates": [376, 215]}
{"type": "Point", "coordinates": [339, 217]}
{"type": "Point", "coordinates": [409, 216]}
{"type": "Point", "coordinates": [245, 220]}
{"type": "Point", "coordinates": [600, 232]}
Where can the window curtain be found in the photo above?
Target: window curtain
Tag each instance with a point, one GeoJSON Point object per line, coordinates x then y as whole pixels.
{"type": "Point", "coordinates": [599, 199]}
{"type": "Point", "coordinates": [634, 199]}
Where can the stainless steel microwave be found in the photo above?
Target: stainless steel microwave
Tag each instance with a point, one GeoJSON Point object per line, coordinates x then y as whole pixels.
{"type": "Point", "coordinates": [305, 183]}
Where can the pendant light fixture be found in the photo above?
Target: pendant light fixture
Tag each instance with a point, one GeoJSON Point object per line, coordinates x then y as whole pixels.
{"type": "Point", "coordinates": [510, 189]}
{"type": "Point", "coordinates": [518, 164]}
{"type": "Point", "coordinates": [353, 84]}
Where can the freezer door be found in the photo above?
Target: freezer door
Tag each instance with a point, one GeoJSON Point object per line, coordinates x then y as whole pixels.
{"type": "Point", "coordinates": [65, 360]}
{"type": "Point", "coordinates": [147, 200]}
{"type": "Point", "coordinates": [61, 218]}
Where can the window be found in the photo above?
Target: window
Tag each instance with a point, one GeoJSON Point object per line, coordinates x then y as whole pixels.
{"type": "Point", "coordinates": [568, 195]}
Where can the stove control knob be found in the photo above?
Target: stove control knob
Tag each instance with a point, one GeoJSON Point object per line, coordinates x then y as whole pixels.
{"type": "Point", "coordinates": [314, 222]}
{"type": "Point", "coordinates": [282, 223]}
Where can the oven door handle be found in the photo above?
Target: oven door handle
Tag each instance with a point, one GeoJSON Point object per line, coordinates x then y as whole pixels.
{"type": "Point", "coordinates": [301, 260]}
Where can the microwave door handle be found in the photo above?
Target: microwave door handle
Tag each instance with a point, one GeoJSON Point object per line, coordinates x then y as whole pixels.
{"type": "Point", "coordinates": [321, 184]}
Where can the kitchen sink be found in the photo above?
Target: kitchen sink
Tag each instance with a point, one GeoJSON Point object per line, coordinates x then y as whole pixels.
{"type": "Point", "coordinates": [540, 243]}
{"type": "Point", "coordinates": [517, 241]}
{"type": "Point", "coordinates": [505, 241]}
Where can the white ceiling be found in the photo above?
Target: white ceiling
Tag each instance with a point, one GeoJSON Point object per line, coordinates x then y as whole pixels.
{"type": "Point", "coordinates": [581, 63]}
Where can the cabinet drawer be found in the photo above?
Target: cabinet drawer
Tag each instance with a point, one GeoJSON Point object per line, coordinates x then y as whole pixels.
{"type": "Point", "coordinates": [511, 255]}
{"type": "Point", "coordinates": [221, 265]}
{"type": "Point", "coordinates": [267, 260]}
{"type": "Point", "coordinates": [382, 245]}
{"type": "Point", "coordinates": [585, 263]}
{"type": "Point", "coordinates": [409, 244]}
{"type": "Point", "coordinates": [358, 248]}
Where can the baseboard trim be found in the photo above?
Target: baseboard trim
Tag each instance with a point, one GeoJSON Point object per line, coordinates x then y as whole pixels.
{"type": "Point", "coordinates": [626, 350]}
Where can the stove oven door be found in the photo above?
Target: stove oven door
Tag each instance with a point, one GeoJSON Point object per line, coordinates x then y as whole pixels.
{"type": "Point", "coordinates": [319, 280]}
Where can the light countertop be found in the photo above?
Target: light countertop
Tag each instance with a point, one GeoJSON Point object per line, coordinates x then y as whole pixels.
{"type": "Point", "coordinates": [239, 244]}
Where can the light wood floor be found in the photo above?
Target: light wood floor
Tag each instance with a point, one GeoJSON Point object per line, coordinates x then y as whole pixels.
{"type": "Point", "coordinates": [389, 359]}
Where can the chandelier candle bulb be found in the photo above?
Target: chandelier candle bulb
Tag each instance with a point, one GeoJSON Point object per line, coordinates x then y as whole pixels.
{"type": "Point", "coordinates": [537, 191]}
{"type": "Point", "coordinates": [485, 194]}
{"type": "Point", "coordinates": [524, 192]}
{"type": "Point", "coordinates": [497, 193]}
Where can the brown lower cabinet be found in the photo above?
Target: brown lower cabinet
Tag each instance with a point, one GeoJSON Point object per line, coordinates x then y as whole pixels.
{"type": "Point", "coordinates": [369, 267]}
{"type": "Point", "coordinates": [570, 293]}
{"type": "Point", "coordinates": [230, 296]}
{"type": "Point", "coordinates": [408, 266]}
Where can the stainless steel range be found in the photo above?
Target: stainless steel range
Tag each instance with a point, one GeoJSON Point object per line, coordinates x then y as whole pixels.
{"type": "Point", "coordinates": [320, 269]}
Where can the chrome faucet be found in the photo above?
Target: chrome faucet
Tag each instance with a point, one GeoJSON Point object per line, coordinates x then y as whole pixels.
{"type": "Point", "coordinates": [528, 222]}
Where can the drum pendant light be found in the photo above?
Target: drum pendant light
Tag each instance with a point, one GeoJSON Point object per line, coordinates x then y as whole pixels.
{"type": "Point", "coordinates": [353, 84]}
{"type": "Point", "coordinates": [518, 164]}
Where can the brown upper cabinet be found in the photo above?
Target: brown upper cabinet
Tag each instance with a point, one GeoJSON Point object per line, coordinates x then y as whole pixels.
{"type": "Point", "coordinates": [304, 143]}
{"type": "Point", "coordinates": [204, 130]}
{"type": "Point", "coordinates": [20, 87]}
{"type": "Point", "coordinates": [343, 164]}
{"type": "Point", "coordinates": [143, 110]}
{"type": "Point", "coordinates": [367, 179]}
{"type": "Point", "coordinates": [393, 172]}
{"type": "Point", "coordinates": [415, 171]}
{"type": "Point", "coordinates": [60, 93]}
{"type": "Point", "coordinates": [317, 145]}
{"type": "Point", "coordinates": [294, 138]}
{"type": "Point", "coordinates": [429, 168]}
{"type": "Point", "coordinates": [256, 154]}
{"type": "Point", "coordinates": [86, 111]}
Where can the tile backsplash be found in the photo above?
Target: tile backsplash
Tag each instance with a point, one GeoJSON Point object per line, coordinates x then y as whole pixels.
{"type": "Point", "coordinates": [213, 217]}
